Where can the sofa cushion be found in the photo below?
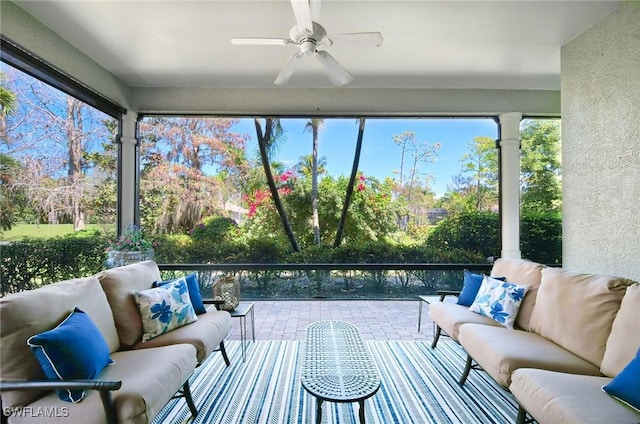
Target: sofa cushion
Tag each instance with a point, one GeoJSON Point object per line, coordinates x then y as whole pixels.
{"type": "Point", "coordinates": [577, 310]}
{"type": "Point", "coordinates": [626, 385]}
{"type": "Point", "coordinates": [194, 291]}
{"type": "Point", "coordinates": [34, 311]}
{"type": "Point", "coordinates": [500, 351]}
{"type": "Point", "coordinates": [118, 284]}
{"type": "Point", "coordinates": [556, 397]}
{"type": "Point", "coordinates": [521, 271]}
{"type": "Point", "coordinates": [149, 379]}
{"type": "Point", "coordinates": [75, 349]}
{"type": "Point", "coordinates": [164, 308]}
{"type": "Point", "coordinates": [624, 339]}
{"type": "Point", "coordinates": [205, 334]}
{"type": "Point", "coordinates": [450, 316]}
{"type": "Point", "coordinates": [499, 300]}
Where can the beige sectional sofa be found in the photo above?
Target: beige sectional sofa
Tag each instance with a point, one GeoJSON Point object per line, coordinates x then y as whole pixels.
{"type": "Point", "coordinates": [562, 349]}
{"type": "Point", "coordinates": [143, 377]}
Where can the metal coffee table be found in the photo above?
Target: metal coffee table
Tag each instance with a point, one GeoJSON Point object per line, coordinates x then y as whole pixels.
{"type": "Point", "coordinates": [336, 365]}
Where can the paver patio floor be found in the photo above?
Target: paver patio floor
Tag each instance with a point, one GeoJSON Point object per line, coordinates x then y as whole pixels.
{"type": "Point", "coordinates": [376, 319]}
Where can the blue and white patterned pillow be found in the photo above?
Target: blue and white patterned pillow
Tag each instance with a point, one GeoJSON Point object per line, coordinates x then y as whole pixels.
{"type": "Point", "coordinates": [164, 308]}
{"type": "Point", "coordinates": [499, 300]}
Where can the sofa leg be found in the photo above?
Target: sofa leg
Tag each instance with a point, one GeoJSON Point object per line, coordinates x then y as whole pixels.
{"type": "Point", "coordinates": [522, 416]}
{"type": "Point", "coordinates": [224, 353]}
{"type": "Point", "coordinates": [467, 369]}
{"type": "Point", "coordinates": [436, 337]}
{"type": "Point", "coordinates": [186, 391]}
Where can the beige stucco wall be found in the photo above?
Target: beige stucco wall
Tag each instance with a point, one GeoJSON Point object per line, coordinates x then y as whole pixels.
{"type": "Point", "coordinates": [601, 146]}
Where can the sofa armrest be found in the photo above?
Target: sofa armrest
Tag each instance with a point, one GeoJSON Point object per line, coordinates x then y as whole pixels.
{"type": "Point", "coordinates": [103, 386]}
{"type": "Point", "coordinates": [445, 293]}
{"type": "Point", "coordinates": [215, 302]}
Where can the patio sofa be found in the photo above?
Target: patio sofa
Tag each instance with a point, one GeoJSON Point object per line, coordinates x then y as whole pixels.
{"type": "Point", "coordinates": [143, 377]}
{"type": "Point", "coordinates": [574, 333]}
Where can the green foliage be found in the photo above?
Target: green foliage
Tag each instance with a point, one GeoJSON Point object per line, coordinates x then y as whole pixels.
{"type": "Point", "coordinates": [540, 166]}
{"type": "Point", "coordinates": [477, 233]}
{"type": "Point", "coordinates": [474, 232]}
{"type": "Point", "coordinates": [31, 263]}
{"type": "Point", "coordinates": [215, 228]}
{"type": "Point", "coordinates": [541, 237]}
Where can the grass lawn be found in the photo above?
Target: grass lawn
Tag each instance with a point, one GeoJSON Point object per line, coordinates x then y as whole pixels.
{"type": "Point", "coordinates": [42, 231]}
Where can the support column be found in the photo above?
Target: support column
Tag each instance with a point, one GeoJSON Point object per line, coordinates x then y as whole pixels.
{"type": "Point", "coordinates": [128, 173]}
{"type": "Point", "coordinates": [510, 183]}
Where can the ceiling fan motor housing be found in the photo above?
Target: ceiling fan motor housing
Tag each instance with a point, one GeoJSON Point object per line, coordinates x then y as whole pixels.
{"type": "Point", "coordinates": [308, 43]}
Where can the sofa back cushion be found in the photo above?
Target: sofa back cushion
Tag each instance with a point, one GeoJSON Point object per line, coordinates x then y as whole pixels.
{"type": "Point", "coordinates": [576, 310]}
{"type": "Point", "coordinates": [119, 284]}
{"type": "Point", "coordinates": [521, 272]}
{"type": "Point", "coordinates": [624, 340]}
{"type": "Point", "coordinates": [31, 312]}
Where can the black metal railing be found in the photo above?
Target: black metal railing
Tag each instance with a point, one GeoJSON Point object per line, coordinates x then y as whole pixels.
{"type": "Point", "coordinates": [331, 281]}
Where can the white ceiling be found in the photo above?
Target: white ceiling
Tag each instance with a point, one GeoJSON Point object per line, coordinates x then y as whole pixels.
{"type": "Point", "coordinates": [427, 44]}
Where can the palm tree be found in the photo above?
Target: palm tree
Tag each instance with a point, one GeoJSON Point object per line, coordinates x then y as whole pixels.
{"type": "Point", "coordinates": [272, 131]}
{"type": "Point", "coordinates": [315, 124]}
{"type": "Point", "coordinates": [352, 181]}
{"type": "Point", "coordinates": [305, 165]}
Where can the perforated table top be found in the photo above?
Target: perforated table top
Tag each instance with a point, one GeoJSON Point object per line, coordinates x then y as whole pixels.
{"type": "Point", "coordinates": [336, 365]}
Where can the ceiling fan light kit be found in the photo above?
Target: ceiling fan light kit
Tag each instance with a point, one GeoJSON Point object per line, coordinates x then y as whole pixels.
{"type": "Point", "coordinates": [308, 35]}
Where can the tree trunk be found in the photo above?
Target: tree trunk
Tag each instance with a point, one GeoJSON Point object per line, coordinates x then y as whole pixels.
{"type": "Point", "coordinates": [314, 185]}
{"type": "Point", "coordinates": [74, 137]}
{"type": "Point", "coordinates": [263, 141]}
{"type": "Point", "coordinates": [352, 181]}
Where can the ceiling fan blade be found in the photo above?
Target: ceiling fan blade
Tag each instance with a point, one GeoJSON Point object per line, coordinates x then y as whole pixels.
{"type": "Point", "coordinates": [336, 72]}
{"type": "Point", "coordinates": [359, 38]}
{"type": "Point", "coordinates": [287, 71]}
{"type": "Point", "coordinates": [245, 41]}
{"type": "Point", "coordinates": [302, 11]}
{"type": "Point", "coordinates": [314, 6]}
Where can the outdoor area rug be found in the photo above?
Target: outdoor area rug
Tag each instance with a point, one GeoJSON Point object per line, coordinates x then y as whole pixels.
{"type": "Point", "coordinates": [418, 385]}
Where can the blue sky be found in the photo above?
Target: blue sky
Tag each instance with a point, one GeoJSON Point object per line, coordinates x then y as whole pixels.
{"type": "Point", "coordinates": [380, 155]}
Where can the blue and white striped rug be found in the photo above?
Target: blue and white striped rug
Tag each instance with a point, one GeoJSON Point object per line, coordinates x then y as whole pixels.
{"type": "Point", "coordinates": [418, 385]}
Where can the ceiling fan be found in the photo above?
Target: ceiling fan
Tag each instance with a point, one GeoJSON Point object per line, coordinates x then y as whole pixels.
{"type": "Point", "coordinates": [309, 37]}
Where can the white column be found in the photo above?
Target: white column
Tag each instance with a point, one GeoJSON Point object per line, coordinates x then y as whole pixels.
{"type": "Point", "coordinates": [128, 171]}
{"type": "Point", "coordinates": [510, 183]}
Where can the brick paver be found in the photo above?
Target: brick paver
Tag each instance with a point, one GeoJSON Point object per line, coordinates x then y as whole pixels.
{"type": "Point", "coordinates": [376, 319]}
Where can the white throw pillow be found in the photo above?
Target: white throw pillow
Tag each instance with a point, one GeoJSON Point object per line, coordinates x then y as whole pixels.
{"type": "Point", "coordinates": [164, 308]}
{"type": "Point", "coordinates": [499, 300]}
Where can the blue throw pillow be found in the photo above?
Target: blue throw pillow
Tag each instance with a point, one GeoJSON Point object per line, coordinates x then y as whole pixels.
{"type": "Point", "coordinates": [626, 385]}
{"type": "Point", "coordinates": [194, 292]}
{"type": "Point", "coordinates": [75, 349]}
{"type": "Point", "coordinates": [470, 287]}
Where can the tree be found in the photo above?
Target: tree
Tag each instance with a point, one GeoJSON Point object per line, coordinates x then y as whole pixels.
{"type": "Point", "coordinates": [178, 156]}
{"type": "Point", "coordinates": [7, 105]}
{"type": "Point", "coordinates": [476, 187]}
{"type": "Point", "coordinates": [305, 166]}
{"type": "Point", "coordinates": [418, 153]}
{"type": "Point", "coordinates": [49, 134]}
{"type": "Point", "coordinates": [314, 125]}
{"type": "Point", "coordinates": [540, 166]}
{"type": "Point", "coordinates": [265, 142]}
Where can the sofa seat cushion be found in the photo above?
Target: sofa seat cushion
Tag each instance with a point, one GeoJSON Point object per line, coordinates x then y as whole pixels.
{"type": "Point", "coordinates": [577, 310]}
{"type": "Point", "coordinates": [205, 334]}
{"type": "Point", "coordinates": [31, 312]}
{"type": "Point", "coordinates": [450, 316]}
{"type": "Point", "coordinates": [119, 284]}
{"type": "Point", "coordinates": [500, 351]}
{"type": "Point", "coordinates": [624, 340]}
{"type": "Point", "coordinates": [524, 272]}
{"type": "Point", "coordinates": [562, 398]}
{"type": "Point", "coordinates": [149, 379]}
